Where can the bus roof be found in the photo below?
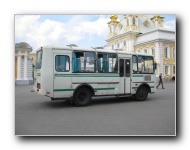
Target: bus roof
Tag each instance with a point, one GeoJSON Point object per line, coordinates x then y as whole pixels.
{"type": "Point", "coordinates": [117, 51]}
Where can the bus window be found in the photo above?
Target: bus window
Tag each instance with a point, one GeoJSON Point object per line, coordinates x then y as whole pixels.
{"type": "Point", "coordinates": [113, 65]}
{"type": "Point", "coordinates": [62, 63]}
{"type": "Point", "coordinates": [39, 60]}
{"type": "Point", "coordinates": [134, 59]}
{"type": "Point", "coordinates": [107, 63]}
{"type": "Point", "coordinates": [127, 68]}
{"type": "Point", "coordinates": [121, 67]}
{"type": "Point", "coordinates": [145, 64]}
{"type": "Point", "coordinates": [84, 62]}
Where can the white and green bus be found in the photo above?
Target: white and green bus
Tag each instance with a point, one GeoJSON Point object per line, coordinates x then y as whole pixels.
{"type": "Point", "coordinates": [77, 74]}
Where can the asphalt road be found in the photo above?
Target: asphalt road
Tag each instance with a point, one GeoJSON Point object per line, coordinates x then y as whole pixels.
{"type": "Point", "coordinates": [38, 115]}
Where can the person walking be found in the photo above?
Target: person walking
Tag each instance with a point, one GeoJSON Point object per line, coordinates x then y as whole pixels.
{"type": "Point", "coordinates": [160, 81]}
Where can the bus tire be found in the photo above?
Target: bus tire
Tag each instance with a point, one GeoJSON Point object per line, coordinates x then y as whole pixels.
{"type": "Point", "coordinates": [142, 93]}
{"type": "Point", "coordinates": [82, 97]}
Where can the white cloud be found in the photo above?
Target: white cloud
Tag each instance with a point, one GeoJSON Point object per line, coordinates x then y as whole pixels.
{"type": "Point", "coordinates": [98, 27]}
{"type": "Point", "coordinates": [23, 24]}
{"type": "Point", "coordinates": [170, 24]}
{"type": "Point", "coordinates": [29, 28]}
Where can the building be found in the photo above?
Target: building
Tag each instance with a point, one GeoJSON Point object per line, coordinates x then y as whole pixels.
{"type": "Point", "coordinates": [141, 34]}
{"type": "Point", "coordinates": [23, 64]}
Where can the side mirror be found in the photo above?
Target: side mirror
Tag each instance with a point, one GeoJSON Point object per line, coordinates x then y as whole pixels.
{"type": "Point", "coordinates": [155, 65]}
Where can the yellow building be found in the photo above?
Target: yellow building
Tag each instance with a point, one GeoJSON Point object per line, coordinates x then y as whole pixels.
{"type": "Point", "coordinates": [24, 63]}
{"type": "Point", "coordinates": [141, 34]}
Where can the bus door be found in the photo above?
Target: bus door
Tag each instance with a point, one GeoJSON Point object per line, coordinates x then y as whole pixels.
{"type": "Point", "coordinates": [125, 76]}
{"type": "Point", "coordinates": [62, 79]}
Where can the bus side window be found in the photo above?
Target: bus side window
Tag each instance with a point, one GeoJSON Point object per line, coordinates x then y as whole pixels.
{"type": "Point", "coordinates": [84, 62]}
{"type": "Point", "coordinates": [107, 63]}
{"type": "Point", "coordinates": [102, 62]}
{"type": "Point", "coordinates": [134, 59]}
{"type": "Point", "coordinates": [113, 65]}
{"type": "Point", "coordinates": [62, 63]}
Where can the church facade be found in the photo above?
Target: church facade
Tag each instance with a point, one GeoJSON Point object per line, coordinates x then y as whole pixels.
{"type": "Point", "coordinates": [141, 34]}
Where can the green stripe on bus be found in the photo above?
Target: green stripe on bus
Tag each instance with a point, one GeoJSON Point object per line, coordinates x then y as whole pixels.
{"type": "Point", "coordinates": [84, 75]}
{"type": "Point", "coordinates": [104, 88]}
{"type": "Point", "coordinates": [38, 74]}
{"type": "Point", "coordinates": [62, 90]}
{"type": "Point", "coordinates": [137, 75]}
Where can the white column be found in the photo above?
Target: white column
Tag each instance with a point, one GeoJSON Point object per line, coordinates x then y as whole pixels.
{"type": "Point", "coordinates": [26, 66]}
{"type": "Point", "coordinates": [130, 19]}
{"type": "Point", "coordinates": [19, 66]}
{"type": "Point", "coordinates": [159, 57]}
{"type": "Point", "coordinates": [131, 43]}
{"type": "Point", "coordinates": [128, 47]}
{"type": "Point", "coordinates": [136, 21]}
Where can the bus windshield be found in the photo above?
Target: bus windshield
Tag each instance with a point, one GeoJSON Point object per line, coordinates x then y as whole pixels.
{"type": "Point", "coordinates": [145, 64]}
{"type": "Point", "coordinates": [39, 60]}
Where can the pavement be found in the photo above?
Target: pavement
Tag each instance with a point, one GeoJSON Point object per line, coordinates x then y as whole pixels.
{"type": "Point", "coordinates": [105, 116]}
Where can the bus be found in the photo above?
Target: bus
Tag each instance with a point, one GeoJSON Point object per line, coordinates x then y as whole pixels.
{"type": "Point", "coordinates": [77, 74]}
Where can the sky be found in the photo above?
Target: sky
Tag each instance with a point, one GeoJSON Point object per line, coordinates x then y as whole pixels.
{"type": "Point", "coordinates": [61, 30]}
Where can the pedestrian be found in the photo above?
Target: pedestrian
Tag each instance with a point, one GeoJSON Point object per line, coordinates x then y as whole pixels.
{"type": "Point", "coordinates": [160, 81]}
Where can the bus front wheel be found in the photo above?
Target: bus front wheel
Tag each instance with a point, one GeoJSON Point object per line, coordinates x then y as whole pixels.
{"type": "Point", "coordinates": [82, 97]}
{"type": "Point", "coordinates": [142, 93]}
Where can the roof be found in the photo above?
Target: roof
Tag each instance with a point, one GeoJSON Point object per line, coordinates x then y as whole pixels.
{"type": "Point", "coordinates": [23, 46]}
{"type": "Point", "coordinates": [90, 50]}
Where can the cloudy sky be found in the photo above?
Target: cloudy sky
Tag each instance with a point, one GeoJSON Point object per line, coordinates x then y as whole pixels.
{"type": "Point", "coordinates": [60, 30]}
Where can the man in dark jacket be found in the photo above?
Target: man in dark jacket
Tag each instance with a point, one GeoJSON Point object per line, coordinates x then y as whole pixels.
{"type": "Point", "coordinates": [160, 81]}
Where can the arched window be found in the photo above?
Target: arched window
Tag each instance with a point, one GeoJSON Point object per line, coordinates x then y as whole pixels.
{"type": "Point", "coordinates": [173, 53]}
{"type": "Point", "coordinates": [124, 43]}
{"type": "Point", "coordinates": [112, 46]}
{"type": "Point", "coordinates": [138, 50]}
{"type": "Point", "coordinates": [145, 51]}
{"type": "Point", "coordinates": [166, 53]}
{"type": "Point", "coordinates": [117, 45]}
{"type": "Point", "coordinates": [153, 51]}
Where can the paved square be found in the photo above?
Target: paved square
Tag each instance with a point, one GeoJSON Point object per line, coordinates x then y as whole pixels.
{"type": "Point", "coordinates": [38, 115]}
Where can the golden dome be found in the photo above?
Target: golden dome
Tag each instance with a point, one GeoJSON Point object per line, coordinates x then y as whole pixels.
{"type": "Point", "coordinates": [113, 17]}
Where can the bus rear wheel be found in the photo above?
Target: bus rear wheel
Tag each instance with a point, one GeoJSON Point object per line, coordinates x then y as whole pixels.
{"type": "Point", "coordinates": [142, 93]}
{"type": "Point", "coordinates": [82, 97]}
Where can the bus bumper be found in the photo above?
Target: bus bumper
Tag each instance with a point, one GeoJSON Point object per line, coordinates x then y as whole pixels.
{"type": "Point", "coordinates": [39, 91]}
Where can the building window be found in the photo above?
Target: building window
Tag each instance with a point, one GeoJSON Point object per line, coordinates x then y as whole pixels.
{"type": "Point", "coordinates": [117, 45]}
{"type": "Point", "coordinates": [173, 70]}
{"type": "Point", "coordinates": [138, 50]}
{"type": "Point", "coordinates": [173, 53]}
{"type": "Point", "coordinates": [124, 43]}
{"type": "Point", "coordinates": [145, 51]}
{"type": "Point", "coordinates": [112, 46]}
{"type": "Point", "coordinates": [166, 70]}
{"type": "Point", "coordinates": [153, 51]}
{"type": "Point", "coordinates": [166, 53]}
